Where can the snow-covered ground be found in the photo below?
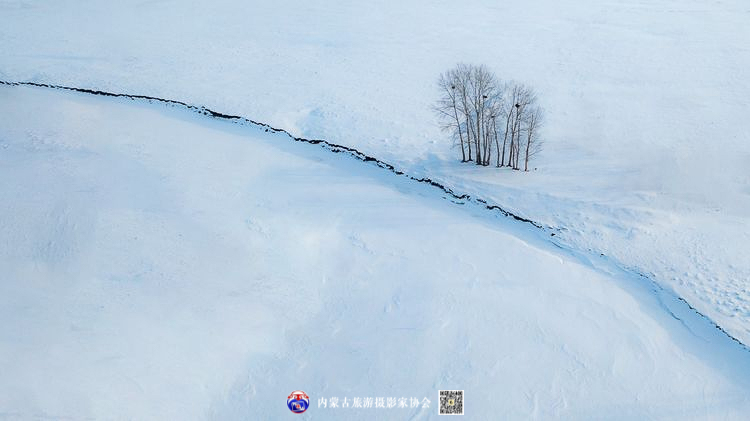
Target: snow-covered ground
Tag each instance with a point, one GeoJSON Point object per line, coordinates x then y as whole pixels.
{"type": "Point", "coordinates": [158, 264]}
{"type": "Point", "coordinates": [648, 145]}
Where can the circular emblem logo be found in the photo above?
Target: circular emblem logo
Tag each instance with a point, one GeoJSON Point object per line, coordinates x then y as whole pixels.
{"type": "Point", "coordinates": [298, 401]}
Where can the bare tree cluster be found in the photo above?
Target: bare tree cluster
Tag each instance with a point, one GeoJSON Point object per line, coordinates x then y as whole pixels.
{"type": "Point", "coordinates": [488, 117]}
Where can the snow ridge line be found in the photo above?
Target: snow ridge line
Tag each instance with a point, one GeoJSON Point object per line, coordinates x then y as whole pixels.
{"type": "Point", "coordinates": [333, 147]}
{"type": "Point", "coordinates": [336, 148]}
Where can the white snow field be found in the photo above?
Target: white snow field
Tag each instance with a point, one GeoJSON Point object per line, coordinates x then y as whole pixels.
{"type": "Point", "coordinates": [159, 264]}
{"type": "Point", "coordinates": [648, 144]}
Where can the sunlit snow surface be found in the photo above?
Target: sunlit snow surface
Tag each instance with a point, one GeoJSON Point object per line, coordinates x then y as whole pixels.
{"type": "Point", "coordinates": [157, 264]}
{"type": "Point", "coordinates": [648, 143]}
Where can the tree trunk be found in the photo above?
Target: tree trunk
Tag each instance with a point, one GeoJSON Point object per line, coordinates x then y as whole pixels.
{"type": "Point", "coordinates": [468, 137]}
{"type": "Point", "coordinates": [505, 137]}
{"type": "Point", "coordinates": [460, 133]}
{"type": "Point", "coordinates": [497, 142]}
{"type": "Point", "coordinates": [478, 138]}
{"type": "Point", "coordinates": [528, 146]}
{"type": "Point", "coordinates": [488, 155]}
{"type": "Point", "coordinates": [517, 144]}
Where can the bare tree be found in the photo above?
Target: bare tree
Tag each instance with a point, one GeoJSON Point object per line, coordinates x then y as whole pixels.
{"type": "Point", "coordinates": [524, 97]}
{"type": "Point", "coordinates": [463, 74]}
{"type": "Point", "coordinates": [494, 110]}
{"type": "Point", "coordinates": [534, 119]}
{"type": "Point", "coordinates": [472, 100]}
{"type": "Point", "coordinates": [481, 87]}
{"type": "Point", "coordinates": [509, 109]}
{"type": "Point", "coordinates": [448, 106]}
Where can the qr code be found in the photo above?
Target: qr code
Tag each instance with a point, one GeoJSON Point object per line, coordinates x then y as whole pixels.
{"type": "Point", "coordinates": [451, 402]}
